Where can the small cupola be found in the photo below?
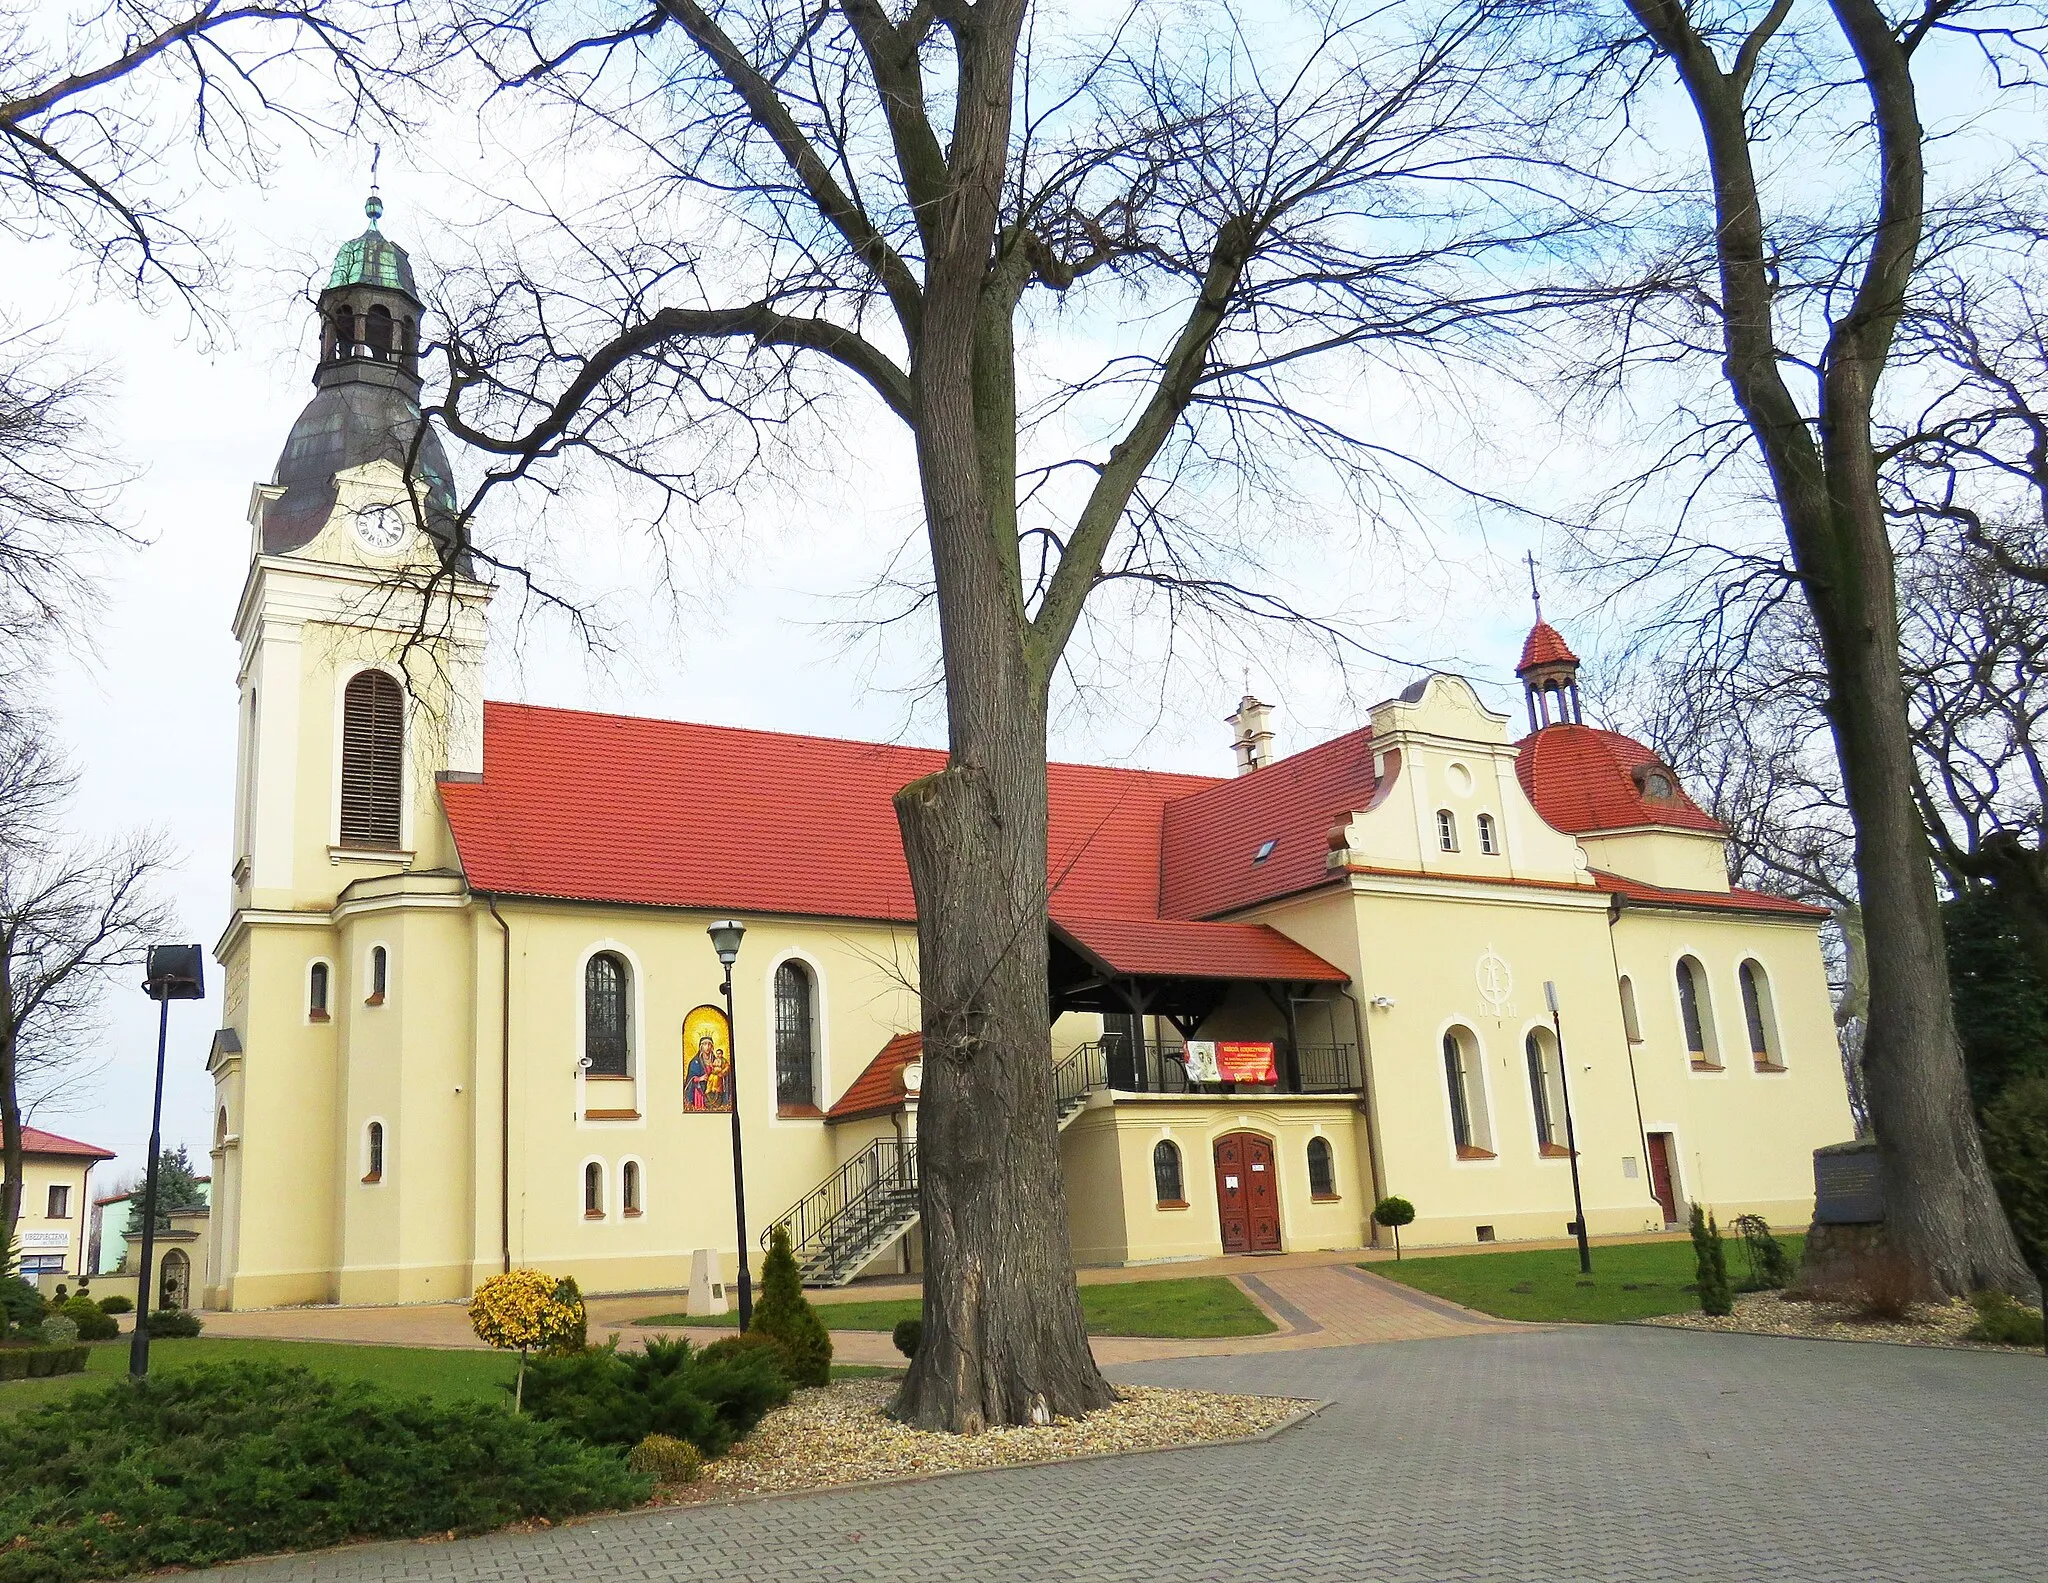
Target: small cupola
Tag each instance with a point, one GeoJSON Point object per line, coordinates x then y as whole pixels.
{"type": "Point", "coordinates": [1252, 736]}
{"type": "Point", "coordinates": [370, 309]}
{"type": "Point", "coordinates": [1549, 670]}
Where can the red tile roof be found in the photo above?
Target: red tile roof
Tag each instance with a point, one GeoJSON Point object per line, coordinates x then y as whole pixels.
{"type": "Point", "coordinates": [1639, 893]}
{"type": "Point", "coordinates": [1581, 780]}
{"type": "Point", "coordinates": [1545, 645]}
{"type": "Point", "coordinates": [1149, 947]}
{"type": "Point", "coordinates": [36, 1141]}
{"type": "Point", "coordinates": [1212, 838]}
{"type": "Point", "coordinates": [597, 807]}
{"type": "Point", "coordinates": [880, 1087]}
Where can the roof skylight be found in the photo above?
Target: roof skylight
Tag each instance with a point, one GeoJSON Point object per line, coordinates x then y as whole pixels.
{"type": "Point", "coordinates": [1265, 851]}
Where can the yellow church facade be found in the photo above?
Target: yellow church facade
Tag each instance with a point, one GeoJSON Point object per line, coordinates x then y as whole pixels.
{"type": "Point", "coordinates": [473, 1019]}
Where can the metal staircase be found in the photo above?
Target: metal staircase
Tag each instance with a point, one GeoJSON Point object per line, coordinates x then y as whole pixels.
{"type": "Point", "coordinates": [842, 1225]}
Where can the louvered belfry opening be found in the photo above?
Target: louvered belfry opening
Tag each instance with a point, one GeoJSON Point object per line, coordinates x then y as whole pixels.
{"type": "Point", "coordinates": [372, 760]}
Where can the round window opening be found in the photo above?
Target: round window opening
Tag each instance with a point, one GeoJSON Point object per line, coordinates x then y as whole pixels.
{"type": "Point", "coordinates": [1460, 779]}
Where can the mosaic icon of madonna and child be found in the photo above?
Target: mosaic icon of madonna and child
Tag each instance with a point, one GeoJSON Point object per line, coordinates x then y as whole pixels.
{"type": "Point", "coordinates": [707, 1061]}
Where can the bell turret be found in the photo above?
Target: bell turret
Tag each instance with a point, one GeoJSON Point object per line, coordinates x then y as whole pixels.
{"type": "Point", "coordinates": [1549, 670]}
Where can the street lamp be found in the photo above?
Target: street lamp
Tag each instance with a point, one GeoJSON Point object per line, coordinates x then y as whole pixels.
{"type": "Point", "coordinates": [726, 935]}
{"type": "Point", "coordinates": [174, 972]}
{"type": "Point", "coordinates": [1571, 1141]}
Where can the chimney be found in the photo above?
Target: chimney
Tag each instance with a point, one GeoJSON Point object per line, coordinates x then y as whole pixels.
{"type": "Point", "coordinates": [1254, 737]}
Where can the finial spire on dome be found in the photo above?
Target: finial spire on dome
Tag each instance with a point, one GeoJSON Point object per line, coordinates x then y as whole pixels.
{"type": "Point", "coordinates": [374, 207]}
{"type": "Point", "coordinates": [1535, 593]}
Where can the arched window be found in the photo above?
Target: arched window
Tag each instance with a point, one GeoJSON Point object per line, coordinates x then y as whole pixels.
{"type": "Point", "coordinates": [1489, 836]}
{"type": "Point", "coordinates": [372, 760]}
{"type": "Point", "coordinates": [373, 1152]}
{"type": "Point", "coordinates": [629, 1188]}
{"type": "Point", "coordinates": [1696, 1013]}
{"type": "Point", "coordinates": [1322, 1171]}
{"type": "Point", "coordinates": [1757, 1013]}
{"type": "Point", "coordinates": [316, 992]}
{"type": "Point", "coordinates": [1167, 1187]}
{"type": "Point", "coordinates": [380, 975]}
{"type": "Point", "coordinates": [1447, 829]}
{"type": "Point", "coordinates": [1631, 1020]}
{"type": "Point", "coordinates": [344, 329]}
{"type": "Point", "coordinates": [795, 1086]}
{"type": "Point", "coordinates": [1546, 1091]}
{"type": "Point", "coordinates": [379, 331]}
{"type": "Point", "coordinates": [593, 1191]}
{"type": "Point", "coordinates": [607, 1030]}
{"type": "Point", "coordinates": [1467, 1091]}
{"type": "Point", "coordinates": [220, 1128]}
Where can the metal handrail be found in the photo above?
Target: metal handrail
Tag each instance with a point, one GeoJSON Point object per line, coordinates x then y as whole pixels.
{"type": "Point", "coordinates": [883, 1170]}
{"type": "Point", "coordinates": [1078, 1076]}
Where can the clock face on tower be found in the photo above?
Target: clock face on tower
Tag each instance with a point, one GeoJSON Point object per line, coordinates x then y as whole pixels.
{"type": "Point", "coordinates": [379, 528]}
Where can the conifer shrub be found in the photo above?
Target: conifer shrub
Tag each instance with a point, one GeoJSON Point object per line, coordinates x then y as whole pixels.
{"type": "Point", "coordinates": [667, 1459]}
{"type": "Point", "coordinates": [908, 1336]}
{"type": "Point", "coordinates": [94, 1323]}
{"type": "Point", "coordinates": [1770, 1267]}
{"type": "Point", "coordinates": [786, 1314]}
{"type": "Point", "coordinates": [613, 1398]}
{"type": "Point", "coordinates": [2016, 1148]}
{"type": "Point", "coordinates": [117, 1304]}
{"type": "Point", "coordinates": [58, 1329]}
{"type": "Point", "coordinates": [204, 1465]}
{"type": "Point", "coordinates": [1711, 1264]}
{"type": "Point", "coordinates": [20, 1303]}
{"type": "Point", "coordinates": [749, 1343]}
{"type": "Point", "coordinates": [173, 1324]}
{"type": "Point", "coordinates": [2005, 1322]}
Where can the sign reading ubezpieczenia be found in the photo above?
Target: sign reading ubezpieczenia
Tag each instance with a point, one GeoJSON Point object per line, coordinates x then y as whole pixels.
{"type": "Point", "coordinates": [1229, 1061]}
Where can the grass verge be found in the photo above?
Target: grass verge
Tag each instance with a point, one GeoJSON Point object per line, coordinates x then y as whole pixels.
{"type": "Point", "coordinates": [1630, 1280]}
{"type": "Point", "coordinates": [1199, 1306]}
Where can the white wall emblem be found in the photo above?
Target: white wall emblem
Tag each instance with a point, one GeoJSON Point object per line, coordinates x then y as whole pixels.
{"type": "Point", "coordinates": [1496, 981]}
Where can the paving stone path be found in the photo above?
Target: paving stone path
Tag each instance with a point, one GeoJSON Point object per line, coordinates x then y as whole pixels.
{"type": "Point", "coordinates": [1587, 1453]}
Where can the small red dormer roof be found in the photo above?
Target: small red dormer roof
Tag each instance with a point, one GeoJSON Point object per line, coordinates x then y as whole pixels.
{"type": "Point", "coordinates": [1545, 645]}
{"type": "Point", "coordinates": [1583, 780]}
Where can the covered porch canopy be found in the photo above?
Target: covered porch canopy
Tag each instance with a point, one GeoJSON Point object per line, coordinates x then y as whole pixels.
{"type": "Point", "coordinates": [1183, 972]}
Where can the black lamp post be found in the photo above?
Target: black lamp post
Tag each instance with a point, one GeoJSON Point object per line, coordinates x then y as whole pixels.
{"type": "Point", "coordinates": [1571, 1141]}
{"type": "Point", "coordinates": [175, 972]}
{"type": "Point", "coordinates": [726, 935]}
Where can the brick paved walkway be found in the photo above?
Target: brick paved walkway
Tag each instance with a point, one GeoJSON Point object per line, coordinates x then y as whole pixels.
{"type": "Point", "coordinates": [1588, 1453]}
{"type": "Point", "coordinates": [1318, 1301]}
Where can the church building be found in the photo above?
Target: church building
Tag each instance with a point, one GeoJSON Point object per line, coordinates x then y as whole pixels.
{"type": "Point", "coordinates": [474, 1020]}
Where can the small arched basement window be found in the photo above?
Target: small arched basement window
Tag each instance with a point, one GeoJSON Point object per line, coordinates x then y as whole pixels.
{"type": "Point", "coordinates": [1167, 1187]}
{"type": "Point", "coordinates": [1757, 1014]}
{"type": "Point", "coordinates": [373, 1152]}
{"type": "Point", "coordinates": [316, 991]}
{"type": "Point", "coordinates": [629, 1188]}
{"type": "Point", "coordinates": [1446, 830]}
{"type": "Point", "coordinates": [795, 1043]}
{"type": "Point", "coordinates": [593, 1191]}
{"type": "Point", "coordinates": [607, 1029]}
{"type": "Point", "coordinates": [1322, 1169]}
{"type": "Point", "coordinates": [1696, 1013]}
{"type": "Point", "coordinates": [372, 760]}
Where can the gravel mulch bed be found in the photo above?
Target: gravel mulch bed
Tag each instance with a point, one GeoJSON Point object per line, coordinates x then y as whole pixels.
{"type": "Point", "coordinates": [1771, 1314]}
{"type": "Point", "coordinates": [839, 1435]}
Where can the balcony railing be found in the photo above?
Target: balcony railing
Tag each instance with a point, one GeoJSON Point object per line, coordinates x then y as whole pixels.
{"type": "Point", "coordinates": [1162, 1069]}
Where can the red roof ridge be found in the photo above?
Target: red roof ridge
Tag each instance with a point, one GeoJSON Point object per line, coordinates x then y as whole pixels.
{"type": "Point", "coordinates": [36, 1141]}
{"type": "Point", "coordinates": [1735, 898]}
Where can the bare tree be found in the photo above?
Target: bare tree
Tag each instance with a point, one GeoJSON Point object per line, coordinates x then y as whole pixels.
{"type": "Point", "coordinates": [1801, 309]}
{"type": "Point", "coordinates": [943, 211]}
{"type": "Point", "coordinates": [70, 916]}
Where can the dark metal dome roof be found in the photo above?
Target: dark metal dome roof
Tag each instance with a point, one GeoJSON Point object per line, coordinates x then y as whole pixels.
{"type": "Point", "coordinates": [349, 422]}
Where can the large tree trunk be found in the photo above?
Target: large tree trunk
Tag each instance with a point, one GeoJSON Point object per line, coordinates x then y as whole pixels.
{"type": "Point", "coordinates": [12, 1154]}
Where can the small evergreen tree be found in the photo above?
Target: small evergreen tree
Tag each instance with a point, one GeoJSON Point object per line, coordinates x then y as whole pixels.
{"type": "Point", "coordinates": [1770, 1267]}
{"type": "Point", "coordinates": [1712, 1260]}
{"type": "Point", "coordinates": [1394, 1213]}
{"type": "Point", "coordinates": [176, 1188]}
{"type": "Point", "coordinates": [785, 1314]}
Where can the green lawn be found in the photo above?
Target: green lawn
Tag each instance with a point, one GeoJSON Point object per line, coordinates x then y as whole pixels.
{"type": "Point", "coordinates": [442, 1372]}
{"type": "Point", "coordinates": [1205, 1305]}
{"type": "Point", "coordinates": [1630, 1280]}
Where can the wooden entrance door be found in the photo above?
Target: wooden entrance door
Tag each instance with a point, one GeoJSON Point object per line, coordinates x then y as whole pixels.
{"type": "Point", "coordinates": [1247, 1198]}
{"type": "Point", "coordinates": [1663, 1175]}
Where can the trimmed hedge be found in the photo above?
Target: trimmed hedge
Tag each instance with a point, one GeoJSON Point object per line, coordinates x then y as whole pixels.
{"type": "Point", "coordinates": [33, 1363]}
{"type": "Point", "coordinates": [173, 1324]}
{"type": "Point", "coordinates": [208, 1464]}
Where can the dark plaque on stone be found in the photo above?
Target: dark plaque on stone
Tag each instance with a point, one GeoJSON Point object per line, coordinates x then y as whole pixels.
{"type": "Point", "coordinates": [1848, 1186]}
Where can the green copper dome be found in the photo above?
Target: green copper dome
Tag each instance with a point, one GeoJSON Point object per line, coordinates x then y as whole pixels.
{"type": "Point", "coordinates": [372, 259]}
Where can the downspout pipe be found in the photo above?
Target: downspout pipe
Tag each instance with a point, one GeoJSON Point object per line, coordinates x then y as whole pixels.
{"type": "Point", "coordinates": [504, 1084]}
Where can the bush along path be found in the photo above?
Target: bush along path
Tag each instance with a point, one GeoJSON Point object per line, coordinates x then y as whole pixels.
{"type": "Point", "coordinates": [211, 1464]}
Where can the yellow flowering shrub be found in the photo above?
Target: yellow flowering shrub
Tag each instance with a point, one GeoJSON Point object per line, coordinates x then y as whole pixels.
{"type": "Point", "coordinates": [526, 1310]}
